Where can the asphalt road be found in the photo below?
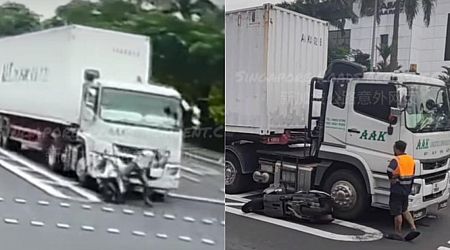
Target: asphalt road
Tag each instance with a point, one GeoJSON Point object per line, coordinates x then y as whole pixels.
{"type": "Point", "coordinates": [251, 231]}
{"type": "Point", "coordinates": [34, 216]}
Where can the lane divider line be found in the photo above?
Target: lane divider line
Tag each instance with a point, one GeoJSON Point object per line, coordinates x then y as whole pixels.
{"type": "Point", "coordinates": [196, 198]}
{"type": "Point", "coordinates": [201, 158]}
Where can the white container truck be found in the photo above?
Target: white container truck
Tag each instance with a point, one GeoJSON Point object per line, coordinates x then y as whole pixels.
{"type": "Point", "coordinates": [52, 101]}
{"type": "Point", "coordinates": [334, 133]}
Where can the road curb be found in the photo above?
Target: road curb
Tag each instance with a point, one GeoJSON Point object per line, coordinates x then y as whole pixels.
{"type": "Point", "coordinates": [205, 159]}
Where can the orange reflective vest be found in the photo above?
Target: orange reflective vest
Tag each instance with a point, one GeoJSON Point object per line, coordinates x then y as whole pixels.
{"type": "Point", "coordinates": [405, 170]}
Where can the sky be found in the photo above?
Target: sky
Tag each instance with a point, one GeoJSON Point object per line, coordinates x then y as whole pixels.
{"type": "Point", "coordinates": [240, 4]}
{"type": "Point", "coordinates": [46, 8]}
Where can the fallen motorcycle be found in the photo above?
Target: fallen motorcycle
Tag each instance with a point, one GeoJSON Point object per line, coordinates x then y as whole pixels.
{"type": "Point", "coordinates": [313, 206]}
{"type": "Point", "coordinates": [113, 179]}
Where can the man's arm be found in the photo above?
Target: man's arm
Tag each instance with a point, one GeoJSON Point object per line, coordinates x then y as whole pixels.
{"type": "Point", "coordinates": [392, 171]}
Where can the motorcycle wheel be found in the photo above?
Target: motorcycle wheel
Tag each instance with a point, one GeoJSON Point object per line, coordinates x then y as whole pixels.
{"type": "Point", "coordinates": [254, 205]}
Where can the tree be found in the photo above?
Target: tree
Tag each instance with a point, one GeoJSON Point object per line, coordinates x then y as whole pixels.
{"type": "Point", "coordinates": [410, 8]}
{"type": "Point", "coordinates": [361, 58]}
{"type": "Point", "coordinates": [189, 8]}
{"type": "Point", "coordinates": [385, 65]}
{"type": "Point", "coordinates": [338, 53]}
{"type": "Point", "coordinates": [445, 76]}
{"type": "Point", "coordinates": [336, 12]}
{"type": "Point", "coordinates": [16, 19]}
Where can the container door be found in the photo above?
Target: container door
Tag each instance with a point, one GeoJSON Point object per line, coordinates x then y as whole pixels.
{"type": "Point", "coordinates": [368, 122]}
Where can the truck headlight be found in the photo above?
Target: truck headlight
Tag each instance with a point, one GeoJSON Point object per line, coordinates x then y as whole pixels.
{"type": "Point", "coordinates": [415, 188]}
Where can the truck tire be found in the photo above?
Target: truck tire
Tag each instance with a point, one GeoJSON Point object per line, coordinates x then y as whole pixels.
{"type": "Point", "coordinates": [350, 198]}
{"type": "Point", "coordinates": [235, 181]}
{"type": "Point", "coordinates": [53, 157]}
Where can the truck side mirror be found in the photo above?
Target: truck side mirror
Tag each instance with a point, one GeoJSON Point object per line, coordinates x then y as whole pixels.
{"type": "Point", "coordinates": [91, 74]}
{"type": "Point", "coordinates": [91, 99]}
{"type": "Point", "coordinates": [402, 98]}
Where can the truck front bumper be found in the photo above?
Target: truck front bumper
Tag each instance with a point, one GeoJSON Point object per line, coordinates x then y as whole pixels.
{"type": "Point", "coordinates": [419, 205]}
{"type": "Point", "coordinates": [170, 179]}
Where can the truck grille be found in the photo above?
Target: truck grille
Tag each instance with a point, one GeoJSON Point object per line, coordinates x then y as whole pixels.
{"type": "Point", "coordinates": [127, 149]}
{"type": "Point", "coordinates": [432, 196]}
{"type": "Point", "coordinates": [434, 164]}
{"type": "Point", "coordinates": [437, 177]}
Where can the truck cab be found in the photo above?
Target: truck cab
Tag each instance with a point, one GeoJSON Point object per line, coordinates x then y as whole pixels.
{"type": "Point", "coordinates": [123, 119]}
{"type": "Point", "coordinates": [364, 118]}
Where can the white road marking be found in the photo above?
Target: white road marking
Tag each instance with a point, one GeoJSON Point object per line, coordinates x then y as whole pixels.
{"type": "Point", "coordinates": [20, 201]}
{"type": "Point", "coordinates": [43, 203]}
{"type": "Point", "coordinates": [128, 211]}
{"type": "Point", "coordinates": [222, 223]}
{"type": "Point", "coordinates": [448, 242]}
{"type": "Point", "coordinates": [192, 171]}
{"type": "Point", "coordinates": [207, 221]}
{"type": "Point", "coordinates": [139, 233]}
{"type": "Point", "coordinates": [1, 199]}
{"type": "Point", "coordinates": [149, 214]}
{"type": "Point", "coordinates": [169, 216]}
{"type": "Point", "coordinates": [443, 248]}
{"type": "Point", "coordinates": [87, 207]}
{"type": "Point", "coordinates": [11, 221]}
{"type": "Point", "coordinates": [235, 203]}
{"type": "Point", "coordinates": [37, 223]}
{"type": "Point", "coordinates": [63, 204]}
{"type": "Point", "coordinates": [196, 198]}
{"type": "Point", "coordinates": [113, 230]}
{"type": "Point", "coordinates": [108, 209]}
{"type": "Point", "coordinates": [87, 228]}
{"type": "Point", "coordinates": [309, 230]}
{"type": "Point", "coordinates": [370, 234]}
{"type": "Point", "coordinates": [33, 180]}
{"type": "Point", "coordinates": [208, 241]}
{"type": "Point", "coordinates": [190, 178]}
{"type": "Point", "coordinates": [161, 236]}
{"type": "Point", "coordinates": [185, 238]}
{"type": "Point", "coordinates": [62, 225]}
{"type": "Point", "coordinates": [188, 219]}
{"type": "Point", "coordinates": [201, 158]}
{"type": "Point", "coordinates": [82, 192]}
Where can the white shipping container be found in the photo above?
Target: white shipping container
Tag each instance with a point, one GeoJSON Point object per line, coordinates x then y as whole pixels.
{"type": "Point", "coordinates": [42, 73]}
{"type": "Point", "coordinates": [271, 55]}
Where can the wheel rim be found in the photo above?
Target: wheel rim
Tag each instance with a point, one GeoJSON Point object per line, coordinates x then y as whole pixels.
{"type": "Point", "coordinates": [52, 155]}
{"type": "Point", "coordinates": [230, 173]}
{"type": "Point", "coordinates": [344, 195]}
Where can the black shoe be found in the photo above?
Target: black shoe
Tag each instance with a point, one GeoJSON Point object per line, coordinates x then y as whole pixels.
{"type": "Point", "coordinates": [393, 237]}
{"type": "Point", "coordinates": [412, 235]}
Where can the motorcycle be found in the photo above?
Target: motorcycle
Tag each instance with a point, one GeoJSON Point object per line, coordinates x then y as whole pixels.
{"type": "Point", "coordinates": [313, 206]}
{"type": "Point", "coordinates": [113, 178]}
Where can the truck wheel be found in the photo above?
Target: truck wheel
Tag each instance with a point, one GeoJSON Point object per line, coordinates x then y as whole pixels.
{"type": "Point", "coordinates": [350, 198]}
{"type": "Point", "coordinates": [53, 157]}
{"type": "Point", "coordinates": [235, 181]}
{"type": "Point", "coordinates": [82, 174]}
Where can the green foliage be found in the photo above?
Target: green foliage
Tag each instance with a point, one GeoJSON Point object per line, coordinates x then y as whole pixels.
{"type": "Point", "coordinates": [217, 104]}
{"type": "Point", "coordinates": [336, 12]}
{"type": "Point", "coordinates": [445, 76]}
{"type": "Point", "coordinates": [337, 53]}
{"type": "Point", "coordinates": [17, 19]}
{"type": "Point", "coordinates": [361, 58]}
{"type": "Point", "coordinates": [385, 52]}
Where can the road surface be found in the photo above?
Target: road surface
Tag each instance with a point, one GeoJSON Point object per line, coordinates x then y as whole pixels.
{"type": "Point", "coordinates": [252, 231]}
{"type": "Point", "coordinates": [42, 210]}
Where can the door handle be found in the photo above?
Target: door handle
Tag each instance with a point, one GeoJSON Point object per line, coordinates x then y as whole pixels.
{"type": "Point", "coordinates": [354, 130]}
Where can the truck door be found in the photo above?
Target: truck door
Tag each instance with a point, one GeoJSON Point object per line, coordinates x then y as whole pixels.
{"type": "Point", "coordinates": [368, 122]}
{"type": "Point", "coordinates": [336, 115]}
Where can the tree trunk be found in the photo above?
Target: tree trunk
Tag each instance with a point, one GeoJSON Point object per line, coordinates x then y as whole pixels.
{"type": "Point", "coordinates": [394, 46]}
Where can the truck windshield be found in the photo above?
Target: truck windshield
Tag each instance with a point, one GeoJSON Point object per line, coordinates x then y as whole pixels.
{"type": "Point", "coordinates": [140, 109]}
{"type": "Point", "coordinates": [428, 108]}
